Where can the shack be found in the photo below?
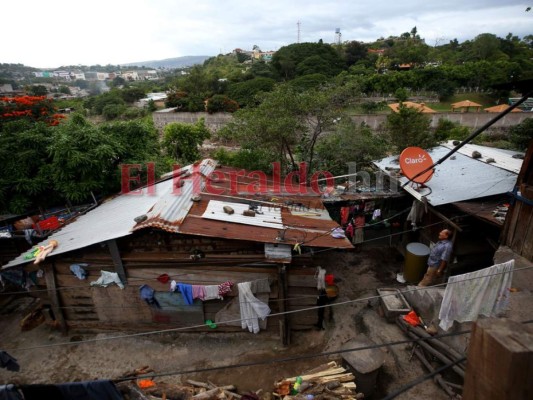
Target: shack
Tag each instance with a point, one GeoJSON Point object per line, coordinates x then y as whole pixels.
{"type": "Point", "coordinates": [152, 258]}
{"type": "Point", "coordinates": [467, 193]}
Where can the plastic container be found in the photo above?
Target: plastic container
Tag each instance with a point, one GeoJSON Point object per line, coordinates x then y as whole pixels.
{"type": "Point", "coordinates": [416, 256]}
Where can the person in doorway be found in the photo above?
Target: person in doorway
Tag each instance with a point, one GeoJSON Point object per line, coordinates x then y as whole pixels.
{"type": "Point", "coordinates": [438, 260]}
{"type": "Point", "coordinates": [358, 237]}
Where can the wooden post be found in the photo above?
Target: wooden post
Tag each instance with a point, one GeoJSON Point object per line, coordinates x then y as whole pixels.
{"type": "Point", "coordinates": [117, 261]}
{"type": "Point", "coordinates": [500, 361]}
{"type": "Point", "coordinates": [284, 320]}
{"type": "Point", "coordinates": [53, 295]}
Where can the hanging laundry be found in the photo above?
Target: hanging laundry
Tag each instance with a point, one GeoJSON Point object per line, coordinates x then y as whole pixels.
{"type": "Point", "coordinates": [417, 213]}
{"type": "Point", "coordinates": [251, 308]}
{"type": "Point", "coordinates": [107, 278]}
{"type": "Point", "coordinates": [376, 214]}
{"type": "Point", "coordinates": [484, 292]}
{"type": "Point", "coordinates": [147, 294]}
{"type": "Point", "coordinates": [225, 288]}
{"type": "Point", "coordinates": [345, 212]}
{"type": "Point", "coordinates": [173, 286]}
{"type": "Point", "coordinates": [77, 269]}
{"type": "Point", "coordinates": [212, 292]}
{"type": "Point", "coordinates": [320, 277]}
{"type": "Point", "coordinates": [198, 292]}
{"type": "Point", "coordinates": [186, 292]}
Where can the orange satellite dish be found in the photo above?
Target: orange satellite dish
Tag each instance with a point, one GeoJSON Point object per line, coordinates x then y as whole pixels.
{"type": "Point", "coordinates": [414, 160]}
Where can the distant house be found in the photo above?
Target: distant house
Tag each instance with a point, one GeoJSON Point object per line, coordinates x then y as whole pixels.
{"type": "Point", "coordinates": [6, 88]}
{"type": "Point", "coordinates": [205, 226]}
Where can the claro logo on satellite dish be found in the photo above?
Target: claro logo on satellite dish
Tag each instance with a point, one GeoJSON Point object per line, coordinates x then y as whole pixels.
{"type": "Point", "coordinates": [414, 160]}
{"type": "Point", "coordinates": [421, 158]}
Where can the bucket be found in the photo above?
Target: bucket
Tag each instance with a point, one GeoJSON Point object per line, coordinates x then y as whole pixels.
{"type": "Point", "coordinates": [416, 256]}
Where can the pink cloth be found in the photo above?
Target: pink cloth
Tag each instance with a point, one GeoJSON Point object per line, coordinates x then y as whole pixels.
{"type": "Point", "coordinates": [198, 292]}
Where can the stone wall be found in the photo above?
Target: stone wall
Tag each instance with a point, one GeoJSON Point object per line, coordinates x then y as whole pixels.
{"type": "Point", "coordinates": [471, 120]}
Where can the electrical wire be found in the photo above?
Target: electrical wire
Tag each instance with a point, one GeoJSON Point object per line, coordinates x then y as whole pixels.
{"type": "Point", "coordinates": [336, 304]}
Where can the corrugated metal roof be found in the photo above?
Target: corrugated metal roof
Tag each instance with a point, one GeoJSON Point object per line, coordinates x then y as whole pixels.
{"type": "Point", "coordinates": [458, 178]}
{"type": "Point", "coordinates": [502, 158]}
{"type": "Point", "coordinates": [270, 217]}
{"type": "Point", "coordinates": [115, 217]}
{"type": "Point", "coordinates": [171, 207]}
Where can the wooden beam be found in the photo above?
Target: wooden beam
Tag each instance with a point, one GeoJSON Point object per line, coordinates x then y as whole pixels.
{"type": "Point", "coordinates": [53, 294]}
{"type": "Point", "coordinates": [500, 361]}
{"type": "Point", "coordinates": [117, 261]}
{"type": "Point", "coordinates": [444, 218]}
{"type": "Point", "coordinates": [284, 320]}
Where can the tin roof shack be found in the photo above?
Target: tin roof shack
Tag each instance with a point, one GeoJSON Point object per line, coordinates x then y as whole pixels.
{"type": "Point", "coordinates": [202, 228]}
{"type": "Point", "coordinates": [467, 193]}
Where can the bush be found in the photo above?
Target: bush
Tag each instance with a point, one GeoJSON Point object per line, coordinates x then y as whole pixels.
{"type": "Point", "coordinates": [113, 111]}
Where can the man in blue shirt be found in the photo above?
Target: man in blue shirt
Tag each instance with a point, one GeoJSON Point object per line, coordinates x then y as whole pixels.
{"type": "Point", "coordinates": [439, 257]}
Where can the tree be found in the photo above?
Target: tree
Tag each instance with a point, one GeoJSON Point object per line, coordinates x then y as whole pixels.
{"type": "Point", "coordinates": [354, 52]}
{"type": "Point", "coordinates": [221, 103]}
{"type": "Point", "coordinates": [521, 135]}
{"type": "Point", "coordinates": [38, 90]}
{"type": "Point", "coordinates": [349, 143]}
{"type": "Point", "coordinates": [245, 92]}
{"type": "Point", "coordinates": [409, 127]}
{"type": "Point", "coordinates": [181, 141]}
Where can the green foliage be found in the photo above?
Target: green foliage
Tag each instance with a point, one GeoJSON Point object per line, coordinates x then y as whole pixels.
{"type": "Point", "coordinates": [24, 176]}
{"type": "Point", "coordinates": [132, 94]}
{"type": "Point", "coordinates": [250, 159]}
{"type": "Point", "coordinates": [401, 94]}
{"type": "Point", "coordinates": [522, 134]}
{"type": "Point", "coordinates": [98, 103]}
{"type": "Point", "coordinates": [288, 59]}
{"type": "Point", "coordinates": [409, 127]}
{"type": "Point", "coordinates": [447, 129]}
{"type": "Point", "coordinates": [113, 111]}
{"type": "Point", "coordinates": [245, 92]}
{"type": "Point", "coordinates": [181, 141]}
{"type": "Point", "coordinates": [307, 82]}
{"type": "Point", "coordinates": [221, 103]}
{"type": "Point", "coordinates": [349, 143]}
{"type": "Point", "coordinates": [37, 90]}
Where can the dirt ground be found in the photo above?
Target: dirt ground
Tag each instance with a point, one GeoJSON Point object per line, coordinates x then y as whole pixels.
{"type": "Point", "coordinates": [358, 275]}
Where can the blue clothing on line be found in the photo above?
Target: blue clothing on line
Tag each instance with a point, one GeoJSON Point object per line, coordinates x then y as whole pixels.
{"type": "Point", "coordinates": [186, 292]}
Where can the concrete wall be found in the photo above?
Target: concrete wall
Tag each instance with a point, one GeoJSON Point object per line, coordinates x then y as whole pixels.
{"type": "Point", "coordinates": [213, 121]}
{"type": "Point", "coordinates": [471, 120]}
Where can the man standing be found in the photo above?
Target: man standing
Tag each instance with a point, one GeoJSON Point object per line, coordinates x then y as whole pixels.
{"type": "Point", "coordinates": [438, 260]}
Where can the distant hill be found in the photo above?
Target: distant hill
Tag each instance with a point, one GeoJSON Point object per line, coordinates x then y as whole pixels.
{"type": "Point", "coordinates": [178, 62]}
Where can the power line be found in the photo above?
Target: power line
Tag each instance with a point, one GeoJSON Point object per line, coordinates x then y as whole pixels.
{"type": "Point", "coordinates": [364, 299]}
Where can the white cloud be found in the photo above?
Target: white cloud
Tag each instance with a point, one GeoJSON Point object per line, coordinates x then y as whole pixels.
{"type": "Point", "coordinates": [60, 32]}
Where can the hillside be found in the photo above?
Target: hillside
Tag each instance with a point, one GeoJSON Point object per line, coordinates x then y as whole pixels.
{"type": "Point", "coordinates": [177, 62]}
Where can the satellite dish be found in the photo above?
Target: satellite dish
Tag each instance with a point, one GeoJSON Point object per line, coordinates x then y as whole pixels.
{"type": "Point", "coordinates": [414, 160]}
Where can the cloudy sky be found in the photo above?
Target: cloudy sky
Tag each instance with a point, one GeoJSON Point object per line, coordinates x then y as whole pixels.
{"type": "Point", "coordinates": [52, 33]}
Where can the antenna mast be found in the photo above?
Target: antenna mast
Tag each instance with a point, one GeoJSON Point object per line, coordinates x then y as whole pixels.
{"type": "Point", "coordinates": [338, 35]}
{"type": "Point", "coordinates": [298, 38]}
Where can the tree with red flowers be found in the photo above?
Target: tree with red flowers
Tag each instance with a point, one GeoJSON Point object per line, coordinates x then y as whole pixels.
{"type": "Point", "coordinates": [30, 108]}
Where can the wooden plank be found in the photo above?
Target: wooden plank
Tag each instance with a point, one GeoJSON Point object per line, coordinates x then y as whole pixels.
{"type": "Point", "coordinates": [527, 249]}
{"type": "Point", "coordinates": [117, 260]}
{"type": "Point", "coordinates": [49, 274]}
{"type": "Point", "coordinates": [500, 361]}
{"type": "Point", "coordinates": [521, 229]}
{"type": "Point", "coordinates": [120, 306]}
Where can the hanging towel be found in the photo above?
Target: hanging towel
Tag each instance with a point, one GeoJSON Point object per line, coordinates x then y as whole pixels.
{"type": "Point", "coordinates": [107, 278]}
{"type": "Point", "coordinates": [320, 278]}
{"type": "Point", "coordinates": [173, 286]}
{"type": "Point", "coordinates": [345, 212]}
{"type": "Point", "coordinates": [486, 292]}
{"type": "Point", "coordinates": [198, 292]}
{"type": "Point", "coordinates": [251, 308]}
{"type": "Point", "coordinates": [186, 292]}
{"type": "Point", "coordinates": [211, 292]}
{"type": "Point", "coordinates": [376, 214]}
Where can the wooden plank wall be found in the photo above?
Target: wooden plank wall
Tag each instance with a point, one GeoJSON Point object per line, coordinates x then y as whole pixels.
{"type": "Point", "coordinates": [100, 309]}
{"type": "Point", "coordinates": [302, 294]}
